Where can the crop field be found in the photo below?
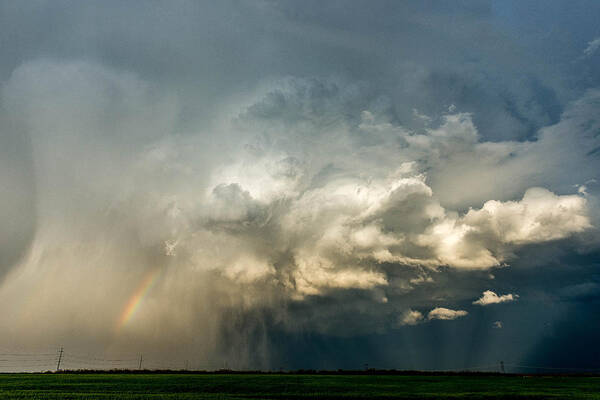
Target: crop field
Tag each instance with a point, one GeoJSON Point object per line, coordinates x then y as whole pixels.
{"type": "Point", "coordinates": [293, 386]}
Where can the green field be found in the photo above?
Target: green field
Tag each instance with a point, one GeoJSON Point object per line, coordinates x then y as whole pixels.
{"type": "Point", "coordinates": [226, 386]}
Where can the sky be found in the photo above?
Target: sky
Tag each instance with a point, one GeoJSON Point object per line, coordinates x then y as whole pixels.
{"type": "Point", "coordinates": [284, 185]}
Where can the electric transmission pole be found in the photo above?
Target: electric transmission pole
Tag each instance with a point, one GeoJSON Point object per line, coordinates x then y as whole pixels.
{"type": "Point", "coordinates": [502, 366]}
{"type": "Point", "coordinates": [59, 359]}
{"type": "Point", "coordinates": [140, 366]}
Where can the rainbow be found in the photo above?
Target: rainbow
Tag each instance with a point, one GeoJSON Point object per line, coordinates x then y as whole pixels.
{"type": "Point", "coordinates": [138, 296]}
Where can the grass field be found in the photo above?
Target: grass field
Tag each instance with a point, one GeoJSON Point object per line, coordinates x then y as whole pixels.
{"type": "Point", "coordinates": [225, 386]}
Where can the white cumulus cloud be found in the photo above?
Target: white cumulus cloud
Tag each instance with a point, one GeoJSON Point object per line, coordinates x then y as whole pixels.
{"type": "Point", "coordinates": [445, 314]}
{"type": "Point", "coordinates": [489, 297]}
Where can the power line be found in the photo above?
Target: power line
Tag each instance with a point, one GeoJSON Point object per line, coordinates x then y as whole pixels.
{"type": "Point", "coordinates": [554, 368]}
{"type": "Point", "coordinates": [27, 361]}
{"type": "Point", "coordinates": [59, 359]}
{"type": "Point", "coordinates": [101, 359]}
{"type": "Point", "coordinates": [75, 359]}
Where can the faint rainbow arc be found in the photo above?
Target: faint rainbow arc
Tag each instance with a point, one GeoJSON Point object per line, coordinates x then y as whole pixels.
{"type": "Point", "coordinates": [136, 299]}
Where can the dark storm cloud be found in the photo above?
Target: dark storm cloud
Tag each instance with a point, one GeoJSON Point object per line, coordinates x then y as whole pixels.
{"type": "Point", "coordinates": [299, 178]}
{"type": "Point", "coordinates": [422, 55]}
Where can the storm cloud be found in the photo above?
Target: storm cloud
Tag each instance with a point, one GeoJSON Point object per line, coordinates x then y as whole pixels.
{"type": "Point", "coordinates": [244, 183]}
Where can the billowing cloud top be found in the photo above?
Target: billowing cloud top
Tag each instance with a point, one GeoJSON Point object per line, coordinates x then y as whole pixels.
{"type": "Point", "coordinates": [239, 191]}
{"type": "Point", "coordinates": [489, 297]}
{"type": "Point", "coordinates": [445, 313]}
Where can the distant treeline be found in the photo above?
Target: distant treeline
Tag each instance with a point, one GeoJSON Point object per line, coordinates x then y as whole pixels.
{"type": "Point", "coordinates": [313, 372]}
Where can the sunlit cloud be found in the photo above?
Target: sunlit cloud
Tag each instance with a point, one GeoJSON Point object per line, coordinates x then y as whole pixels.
{"type": "Point", "coordinates": [489, 297]}
{"type": "Point", "coordinates": [446, 314]}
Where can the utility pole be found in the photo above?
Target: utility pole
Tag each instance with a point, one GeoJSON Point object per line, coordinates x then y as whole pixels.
{"type": "Point", "coordinates": [59, 359]}
{"type": "Point", "coordinates": [502, 366]}
{"type": "Point", "coordinates": [141, 358]}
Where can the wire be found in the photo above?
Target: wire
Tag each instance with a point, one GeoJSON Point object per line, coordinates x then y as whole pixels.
{"type": "Point", "coordinates": [21, 361]}
{"type": "Point", "coordinates": [99, 359]}
{"type": "Point", "coordinates": [553, 368]}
